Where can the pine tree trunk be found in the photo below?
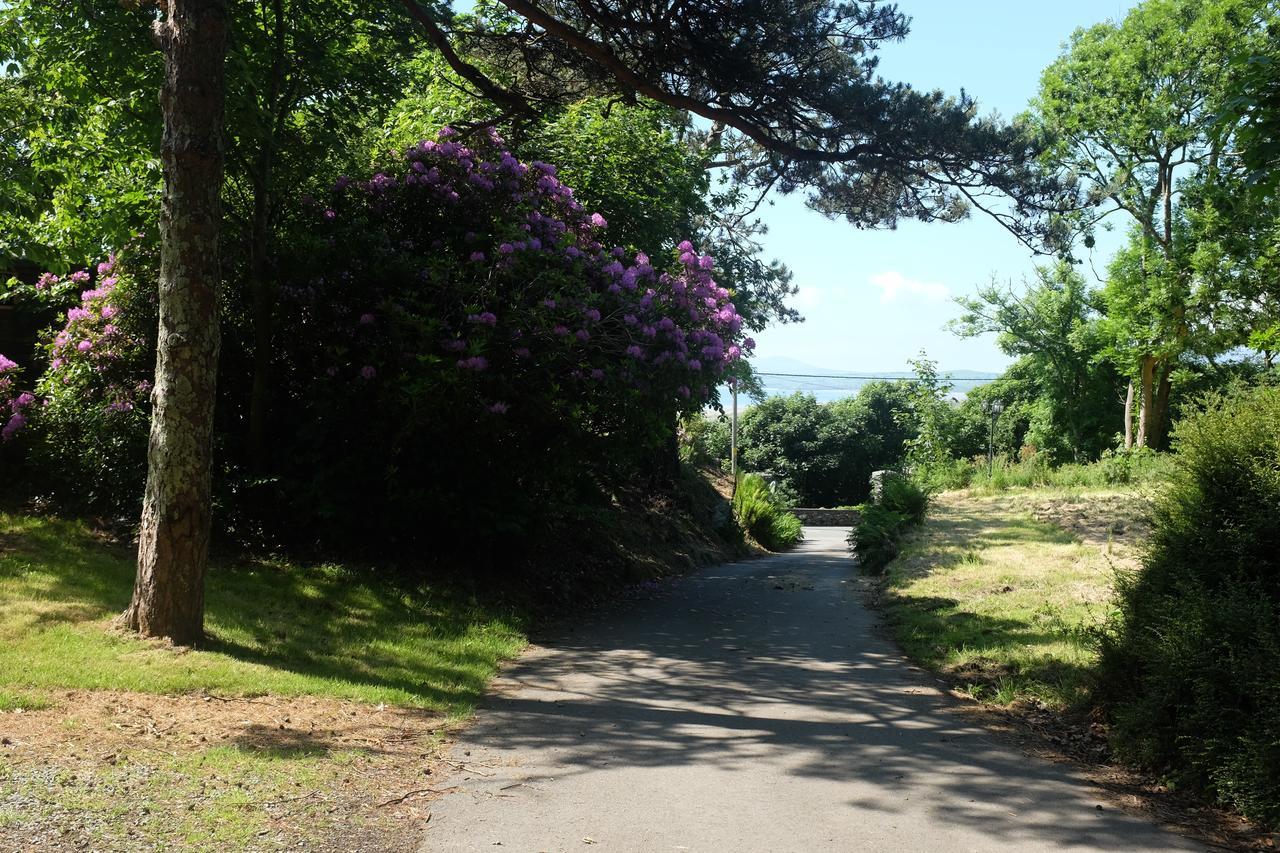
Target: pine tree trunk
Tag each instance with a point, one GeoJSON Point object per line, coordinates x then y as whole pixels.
{"type": "Point", "coordinates": [173, 547]}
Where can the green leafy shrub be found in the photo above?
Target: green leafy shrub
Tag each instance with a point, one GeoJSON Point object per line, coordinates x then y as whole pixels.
{"type": "Point", "coordinates": [906, 498]}
{"type": "Point", "coordinates": [1190, 667]}
{"type": "Point", "coordinates": [762, 516]}
{"type": "Point", "coordinates": [900, 504]}
{"type": "Point", "coordinates": [875, 537]}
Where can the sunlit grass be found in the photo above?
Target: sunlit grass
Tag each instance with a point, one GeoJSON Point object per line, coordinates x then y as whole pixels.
{"type": "Point", "coordinates": [1004, 602]}
{"type": "Point", "coordinates": [274, 627]}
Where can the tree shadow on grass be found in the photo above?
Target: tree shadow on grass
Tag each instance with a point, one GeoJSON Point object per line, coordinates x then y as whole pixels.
{"type": "Point", "coordinates": [435, 645]}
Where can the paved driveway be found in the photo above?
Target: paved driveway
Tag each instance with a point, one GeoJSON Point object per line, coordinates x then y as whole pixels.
{"type": "Point", "coordinates": [753, 707]}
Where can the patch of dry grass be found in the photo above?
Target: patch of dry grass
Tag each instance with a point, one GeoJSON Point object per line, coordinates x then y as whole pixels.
{"type": "Point", "coordinates": [1000, 591]}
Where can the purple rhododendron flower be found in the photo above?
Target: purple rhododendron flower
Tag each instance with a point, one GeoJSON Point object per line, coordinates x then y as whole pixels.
{"type": "Point", "coordinates": [592, 314]}
{"type": "Point", "coordinates": [476, 362]}
{"type": "Point", "coordinates": [15, 423]}
{"type": "Point", "coordinates": [598, 221]}
{"type": "Point", "coordinates": [7, 364]}
{"type": "Point", "coordinates": [499, 408]}
{"type": "Point", "coordinates": [706, 262]}
{"type": "Point", "coordinates": [84, 346]}
{"type": "Point", "coordinates": [477, 257]}
{"type": "Point", "coordinates": [368, 372]}
{"type": "Point", "coordinates": [366, 319]}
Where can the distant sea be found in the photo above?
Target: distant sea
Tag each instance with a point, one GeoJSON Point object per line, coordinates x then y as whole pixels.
{"type": "Point", "coordinates": [785, 376]}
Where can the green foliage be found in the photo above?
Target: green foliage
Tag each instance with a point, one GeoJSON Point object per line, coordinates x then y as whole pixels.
{"type": "Point", "coordinates": [827, 452]}
{"type": "Point", "coordinates": [705, 440]}
{"type": "Point", "coordinates": [900, 505]}
{"type": "Point", "coordinates": [1132, 110]}
{"type": "Point", "coordinates": [875, 537]}
{"type": "Point", "coordinates": [806, 107]}
{"type": "Point", "coordinates": [904, 497]}
{"type": "Point", "coordinates": [1060, 396]}
{"type": "Point", "coordinates": [1139, 466]}
{"type": "Point", "coordinates": [1191, 664]}
{"type": "Point", "coordinates": [933, 416]}
{"type": "Point", "coordinates": [763, 516]}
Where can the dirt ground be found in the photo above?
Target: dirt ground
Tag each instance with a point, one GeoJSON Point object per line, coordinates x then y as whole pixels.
{"type": "Point", "coordinates": [113, 770]}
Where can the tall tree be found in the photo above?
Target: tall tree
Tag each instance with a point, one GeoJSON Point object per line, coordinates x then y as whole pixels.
{"type": "Point", "coordinates": [1052, 327]}
{"type": "Point", "coordinates": [1130, 110]}
{"type": "Point", "coordinates": [789, 87]}
{"type": "Point", "coordinates": [173, 542]}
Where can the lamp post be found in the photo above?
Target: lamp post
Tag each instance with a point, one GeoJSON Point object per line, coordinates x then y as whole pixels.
{"type": "Point", "coordinates": [994, 408]}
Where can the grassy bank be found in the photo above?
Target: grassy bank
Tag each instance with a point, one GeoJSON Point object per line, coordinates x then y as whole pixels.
{"type": "Point", "coordinates": [321, 694]}
{"type": "Point", "coordinates": [273, 627]}
{"type": "Point", "coordinates": [998, 590]}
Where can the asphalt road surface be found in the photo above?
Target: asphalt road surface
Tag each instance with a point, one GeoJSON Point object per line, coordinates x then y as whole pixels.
{"type": "Point", "coordinates": [752, 707]}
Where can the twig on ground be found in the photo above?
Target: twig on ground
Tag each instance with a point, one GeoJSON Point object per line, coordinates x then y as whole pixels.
{"type": "Point", "coordinates": [417, 791]}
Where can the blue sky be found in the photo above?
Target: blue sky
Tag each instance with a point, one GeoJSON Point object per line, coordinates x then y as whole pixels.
{"type": "Point", "coordinates": [873, 299]}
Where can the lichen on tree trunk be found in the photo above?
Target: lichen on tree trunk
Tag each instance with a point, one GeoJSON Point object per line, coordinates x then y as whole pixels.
{"type": "Point", "coordinates": [173, 547]}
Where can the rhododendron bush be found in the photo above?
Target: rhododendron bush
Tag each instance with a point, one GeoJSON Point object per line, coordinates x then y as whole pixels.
{"type": "Point", "coordinates": [456, 346]}
{"type": "Point", "coordinates": [84, 420]}
{"type": "Point", "coordinates": [459, 328]}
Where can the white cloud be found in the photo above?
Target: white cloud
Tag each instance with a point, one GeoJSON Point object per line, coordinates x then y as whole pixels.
{"type": "Point", "coordinates": [893, 283]}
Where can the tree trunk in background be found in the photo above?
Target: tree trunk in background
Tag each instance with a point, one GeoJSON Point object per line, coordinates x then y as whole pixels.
{"type": "Point", "coordinates": [1128, 418]}
{"type": "Point", "coordinates": [173, 547]}
{"type": "Point", "coordinates": [1147, 412]}
{"type": "Point", "coordinates": [1158, 437]}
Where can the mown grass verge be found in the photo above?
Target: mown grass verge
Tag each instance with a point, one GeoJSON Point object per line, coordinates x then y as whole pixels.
{"type": "Point", "coordinates": [999, 592]}
{"type": "Point", "coordinates": [320, 694]}
{"type": "Point", "coordinates": [273, 627]}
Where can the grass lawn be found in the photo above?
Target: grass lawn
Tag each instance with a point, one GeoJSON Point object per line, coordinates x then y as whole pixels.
{"type": "Point", "coordinates": [999, 591]}
{"type": "Point", "coordinates": [320, 693]}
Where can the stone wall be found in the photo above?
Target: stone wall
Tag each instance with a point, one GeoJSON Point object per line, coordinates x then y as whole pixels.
{"type": "Point", "coordinates": [819, 517]}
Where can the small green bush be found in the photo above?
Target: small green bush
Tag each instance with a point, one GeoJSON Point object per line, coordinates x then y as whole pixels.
{"type": "Point", "coordinates": [875, 537]}
{"type": "Point", "coordinates": [762, 515]}
{"type": "Point", "coordinates": [1190, 667]}
{"type": "Point", "coordinates": [901, 504]}
{"type": "Point", "coordinates": [906, 498]}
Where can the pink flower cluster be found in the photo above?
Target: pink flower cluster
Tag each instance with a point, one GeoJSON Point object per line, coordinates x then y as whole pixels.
{"type": "Point", "coordinates": [91, 346]}
{"type": "Point", "coordinates": [532, 287]}
{"type": "Point", "coordinates": [12, 404]}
